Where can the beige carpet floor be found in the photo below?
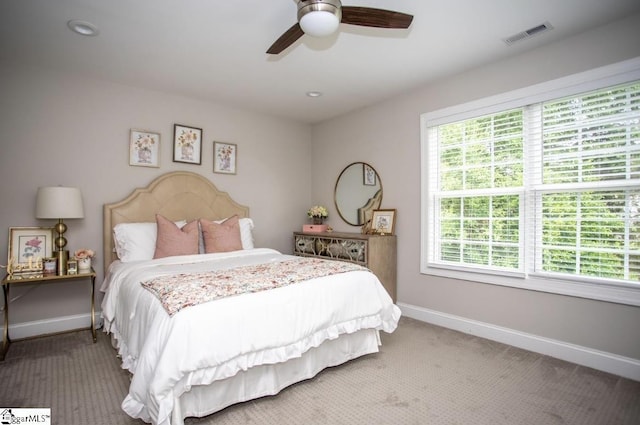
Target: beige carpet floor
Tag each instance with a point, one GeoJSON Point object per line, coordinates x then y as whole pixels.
{"type": "Point", "coordinates": [424, 374]}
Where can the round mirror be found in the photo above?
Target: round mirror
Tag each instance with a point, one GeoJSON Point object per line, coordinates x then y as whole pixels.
{"type": "Point", "coordinates": [358, 192]}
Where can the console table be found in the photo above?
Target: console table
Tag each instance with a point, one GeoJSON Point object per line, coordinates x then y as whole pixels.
{"type": "Point", "coordinates": [376, 252]}
{"type": "Point", "coordinates": [31, 278]}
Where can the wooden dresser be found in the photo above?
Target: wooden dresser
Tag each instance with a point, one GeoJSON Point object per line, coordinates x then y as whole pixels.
{"type": "Point", "coordinates": [377, 253]}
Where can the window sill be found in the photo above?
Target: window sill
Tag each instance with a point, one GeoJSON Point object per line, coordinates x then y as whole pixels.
{"type": "Point", "coordinates": [620, 294]}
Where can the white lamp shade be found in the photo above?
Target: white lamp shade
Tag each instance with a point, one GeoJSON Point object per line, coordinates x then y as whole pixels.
{"type": "Point", "coordinates": [319, 23]}
{"type": "Point", "coordinates": [59, 202]}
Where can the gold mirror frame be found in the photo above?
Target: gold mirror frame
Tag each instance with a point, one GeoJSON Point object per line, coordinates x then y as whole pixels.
{"type": "Point", "coordinates": [357, 193]}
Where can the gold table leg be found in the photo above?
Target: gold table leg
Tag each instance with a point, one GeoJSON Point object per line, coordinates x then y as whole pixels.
{"type": "Point", "coordinates": [93, 308]}
{"type": "Point", "coordinates": [5, 334]}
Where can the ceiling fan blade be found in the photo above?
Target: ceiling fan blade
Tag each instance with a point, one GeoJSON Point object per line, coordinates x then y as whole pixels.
{"type": "Point", "coordinates": [371, 17]}
{"type": "Point", "coordinates": [287, 39]}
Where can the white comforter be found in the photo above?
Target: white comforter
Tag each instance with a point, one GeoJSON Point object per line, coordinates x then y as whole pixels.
{"type": "Point", "coordinates": [216, 340]}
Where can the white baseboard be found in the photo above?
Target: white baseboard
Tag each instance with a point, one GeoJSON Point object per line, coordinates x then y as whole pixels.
{"type": "Point", "coordinates": [612, 363]}
{"type": "Point", "coordinates": [600, 360]}
{"type": "Point", "coordinates": [50, 326]}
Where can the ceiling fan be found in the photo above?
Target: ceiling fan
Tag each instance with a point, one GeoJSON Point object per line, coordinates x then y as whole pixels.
{"type": "Point", "coordinates": [320, 18]}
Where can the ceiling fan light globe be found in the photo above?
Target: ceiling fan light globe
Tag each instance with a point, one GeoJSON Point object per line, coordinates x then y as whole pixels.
{"type": "Point", "coordinates": [319, 23]}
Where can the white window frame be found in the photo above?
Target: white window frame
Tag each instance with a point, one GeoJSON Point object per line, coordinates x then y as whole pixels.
{"type": "Point", "coordinates": [584, 287]}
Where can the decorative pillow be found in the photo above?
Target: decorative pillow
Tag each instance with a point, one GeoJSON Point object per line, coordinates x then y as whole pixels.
{"type": "Point", "coordinates": [246, 231]}
{"type": "Point", "coordinates": [137, 241]}
{"type": "Point", "coordinates": [221, 237]}
{"type": "Point", "coordinates": [173, 240]}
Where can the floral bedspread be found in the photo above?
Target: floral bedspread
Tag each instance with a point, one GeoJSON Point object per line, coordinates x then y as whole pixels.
{"type": "Point", "coordinates": [179, 291]}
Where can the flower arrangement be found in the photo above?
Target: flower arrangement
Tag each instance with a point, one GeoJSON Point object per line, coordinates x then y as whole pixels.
{"type": "Point", "coordinates": [144, 141]}
{"type": "Point", "coordinates": [187, 138]}
{"type": "Point", "coordinates": [84, 253]}
{"type": "Point", "coordinates": [224, 155]}
{"type": "Point", "coordinates": [143, 146]}
{"type": "Point", "coordinates": [318, 211]}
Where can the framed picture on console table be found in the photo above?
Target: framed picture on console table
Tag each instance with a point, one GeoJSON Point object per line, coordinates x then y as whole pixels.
{"type": "Point", "coordinates": [27, 245]}
{"type": "Point", "coordinates": [383, 221]}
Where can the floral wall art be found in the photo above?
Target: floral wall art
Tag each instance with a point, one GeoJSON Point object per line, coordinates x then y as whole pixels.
{"type": "Point", "coordinates": [187, 144]}
{"type": "Point", "coordinates": [144, 148]}
{"type": "Point", "coordinates": [224, 158]}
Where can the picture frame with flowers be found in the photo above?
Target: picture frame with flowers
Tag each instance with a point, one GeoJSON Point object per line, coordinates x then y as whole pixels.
{"type": "Point", "coordinates": [28, 246]}
{"type": "Point", "coordinates": [383, 222]}
{"type": "Point", "coordinates": [225, 156]}
{"type": "Point", "coordinates": [144, 148]}
{"type": "Point", "coordinates": [187, 144]}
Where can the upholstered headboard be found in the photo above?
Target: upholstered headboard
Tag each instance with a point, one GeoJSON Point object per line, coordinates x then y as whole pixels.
{"type": "Point", "coordinates": [365, 213]}
{"type": "Point", "coordinates": [179, 195]}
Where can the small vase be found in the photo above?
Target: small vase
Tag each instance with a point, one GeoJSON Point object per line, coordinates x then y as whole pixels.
{"type": "Point", "coordinates": [84, 265]}
{"type": "Point", "coordinates": [187, 152]}
{"type": "Point", "coordinates": [318, 220]}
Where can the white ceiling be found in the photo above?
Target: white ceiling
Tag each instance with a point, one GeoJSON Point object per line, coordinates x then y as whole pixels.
{"type": "Point", "coordinates": [215, 50]}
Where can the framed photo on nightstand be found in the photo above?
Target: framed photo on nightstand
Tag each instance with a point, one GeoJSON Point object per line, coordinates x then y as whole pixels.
{"type": "Point", "coordinates": [383, 221]}
{"type": "Point", "coordinates": [72, 267]}
{"type": "Point", "coordinates": [28, 246]}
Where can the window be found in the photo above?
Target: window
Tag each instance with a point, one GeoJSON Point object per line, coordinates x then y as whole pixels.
{"type": "Point", "coordinates": [477, 189]}
{"type": "Point", "coordinates": [542, 194]}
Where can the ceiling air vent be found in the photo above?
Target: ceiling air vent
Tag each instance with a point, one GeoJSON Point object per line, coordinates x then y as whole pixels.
{"type": "Point", "coordinates": [528, 33]}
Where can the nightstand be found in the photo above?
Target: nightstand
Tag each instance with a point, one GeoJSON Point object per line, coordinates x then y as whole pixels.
{"type": "Point", "coordinates": [31, 278]}
{"type": "Point", "coordinates": [376, 252]}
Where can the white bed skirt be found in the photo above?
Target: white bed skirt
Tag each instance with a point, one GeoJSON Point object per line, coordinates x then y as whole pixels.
{"type": "Point", "coordinates": [267, 380]}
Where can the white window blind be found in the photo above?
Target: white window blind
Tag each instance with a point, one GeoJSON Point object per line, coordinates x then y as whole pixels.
{"type": "Point", "coordinates": [548, 189]}
{"type": "Point", "coordinates": [589, 196]}
{"type": "Point", "coordinates": [478, 192]}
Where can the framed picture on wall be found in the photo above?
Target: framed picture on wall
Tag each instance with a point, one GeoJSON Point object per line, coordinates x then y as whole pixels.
{"type": "Point", "coordinates": [368, 175]}
{"type": "Point", "coordinates": [144, 148]}
{"type": "Point", "coordinates": [187, 144]}
{"type": "Point", "coordinates": [28, 246]}
{"type": "Point", "coordinates": [383, 221]}
{"type": "Point", "coordinates": [224, 157]}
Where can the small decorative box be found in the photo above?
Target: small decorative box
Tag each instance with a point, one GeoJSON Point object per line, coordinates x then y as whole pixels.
{"type": "Point", "coordinates": [314, 228]}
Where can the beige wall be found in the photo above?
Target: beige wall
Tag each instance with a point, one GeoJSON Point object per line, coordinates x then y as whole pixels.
{"type": "Point", "coordinates": [387, 136]}
{"type": "Point", "coordinates": [65, 130]}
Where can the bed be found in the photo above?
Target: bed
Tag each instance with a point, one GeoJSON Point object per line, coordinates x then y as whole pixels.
{"type": "Point", "coordinates": [192, 354]}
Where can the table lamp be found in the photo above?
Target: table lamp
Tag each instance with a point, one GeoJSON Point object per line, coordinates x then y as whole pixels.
{"type": "Point", "coordinates": [58, 202]}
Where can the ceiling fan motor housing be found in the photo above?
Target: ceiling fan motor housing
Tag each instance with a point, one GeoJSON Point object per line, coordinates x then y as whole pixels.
{"type": "Point", "coordinates": [324, 22]}
{"type": "Point", "coordinates": [332, 6]}
{"type": "Point", "coordinates": [320, 18]}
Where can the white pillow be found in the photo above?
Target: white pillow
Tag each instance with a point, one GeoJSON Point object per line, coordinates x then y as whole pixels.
{"type": "Point", "coordinates": [137, 241]}
{"type": "Point", "coordinates": [246, 233]}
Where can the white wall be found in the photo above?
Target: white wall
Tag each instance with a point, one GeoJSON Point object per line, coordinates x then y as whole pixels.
{"type": "Point", "coordinates": [387, 136]}
{"type": "Point", "coordinates": [58, 129]}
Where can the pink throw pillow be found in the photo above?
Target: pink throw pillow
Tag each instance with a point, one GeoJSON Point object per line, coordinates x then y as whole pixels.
{"type": "Point", "coordinates": [221, 237]}
{"type": "Point", "coordinates": [172, 240]}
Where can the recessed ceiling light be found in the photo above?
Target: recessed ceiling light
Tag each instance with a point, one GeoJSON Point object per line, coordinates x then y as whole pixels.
{"type": "Point", "coordinates": [314, 93]}
{"type": "Point", "coordinates": [83, 27]}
